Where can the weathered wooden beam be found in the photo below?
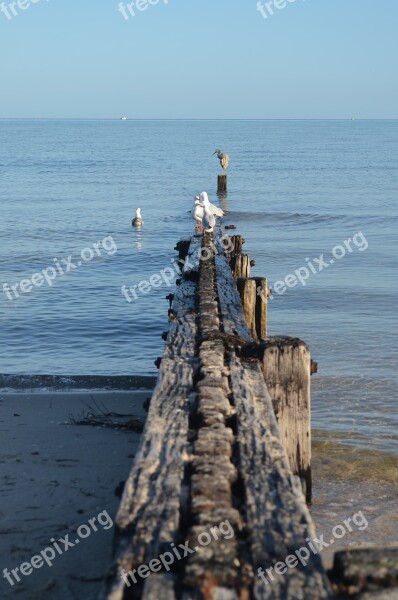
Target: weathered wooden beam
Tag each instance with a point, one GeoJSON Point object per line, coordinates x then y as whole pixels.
{"type": "Point", "coordinates": [286, 365]}
{"type": "Point", "coordinates": [261, 307]}
{"type": "Point", "coordinates": [182, 248]}
{"type": "Point", "coordinates": [366, 572]}
{"type": "Point", "coordinates": [236, 244]}
{"type": "Point", "coordinates": [240, 265]}
{"type": "Point", "coordinates": [211, 453]}
{"type": "Point", "coordinates": [151, 509]}
{"type": "Point", "coordinates": [277, 517]}
{"type": "Point", "coordinates": [247, 291]}
{"type": "Point", "coordinates": [234, 323]}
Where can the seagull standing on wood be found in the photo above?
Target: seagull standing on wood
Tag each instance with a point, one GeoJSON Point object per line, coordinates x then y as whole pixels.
{"type": "Point", "coordinates": [211, 211]}
{"type": "Point", "coordinates": [138, 221]}
{"type": "Point", "coordinates": [198, 212]}
{"type": "Point", "coordinates": [224, 159]}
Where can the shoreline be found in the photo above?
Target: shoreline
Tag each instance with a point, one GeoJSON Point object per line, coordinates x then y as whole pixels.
{"type": "Point", "coordinates": [56, 477]}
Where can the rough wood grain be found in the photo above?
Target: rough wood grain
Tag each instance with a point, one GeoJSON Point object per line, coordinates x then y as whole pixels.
{"type": "Point", "coordinates": [261, 306]}
{"type": "Point", "coordinates": [234, 323]}
{"type": "Point", "coordinates": [211, 453]}
{"type": "Point", "coordinates": [366, 570]}
{"type": "Point", "coordinates": [277, 517]}
{"type": "Point", "coordinates": [222, 184]}
{"type": "Point", "coordinates": [149, 516]}
{"type": "Point", "coordinates": [240, 265]}
{"type": "Point", "coordinates": [192, 261]}
{"type": "Point", "coordinates": [286, 364]}
{"type": "Point", "coordinates": [247, 291]}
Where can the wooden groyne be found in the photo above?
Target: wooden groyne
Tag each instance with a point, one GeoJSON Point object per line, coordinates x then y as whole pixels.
{"type": "Point", "coordinates": [227, 441]}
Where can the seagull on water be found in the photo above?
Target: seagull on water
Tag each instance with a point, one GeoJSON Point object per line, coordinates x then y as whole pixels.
{"type": "Point", "coordinates": [138, 221]}
{"type": "Point", "coordinates": [210, 211]}
{"type": "Point", "coordinates": [224, 159]}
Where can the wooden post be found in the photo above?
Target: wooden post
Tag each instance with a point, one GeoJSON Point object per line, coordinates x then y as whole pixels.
{"type": "Point", "coordinates": [240, 265]}
{"type": "Point", "coordinates": [371, 572]}
{"type": "Point", "coordinates": [236, 243]}
{"type": "Point", "coordinates": [286, 365]}
{"type": "Point", "coordinates": [247, 292]}
{"type": "Point", "coordinates": [261, 306]}
{"type": "Point", "coordinates": [222, 184]}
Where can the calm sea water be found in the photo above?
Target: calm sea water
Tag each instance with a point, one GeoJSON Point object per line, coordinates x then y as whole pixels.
{"type": "Point", "coordinates": [297, 189]}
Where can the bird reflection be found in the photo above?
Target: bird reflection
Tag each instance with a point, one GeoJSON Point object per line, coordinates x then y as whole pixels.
{"type": "Point", "coordinates": [223, 198]}
{"type": "Point", "coordinates": [138, 241]}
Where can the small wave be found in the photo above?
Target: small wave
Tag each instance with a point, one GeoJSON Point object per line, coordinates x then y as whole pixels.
{"type": "Point", "coordinates": [284, 216]}
{"type": "Point", "coordinates": [51, 383]}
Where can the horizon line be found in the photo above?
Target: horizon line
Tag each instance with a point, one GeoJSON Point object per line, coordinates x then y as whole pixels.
{"type": "Point", "coordinates": [198, 119]}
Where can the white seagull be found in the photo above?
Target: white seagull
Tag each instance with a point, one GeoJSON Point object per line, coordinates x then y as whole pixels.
{"type": "Point", "coordinates": [204, 198]}
{"type": "Point", "coordinates": [138, 221]}
{"type": "Point", "coordinates": [211, 211]}
{"type": "Point", "coordinates": [198, 212]}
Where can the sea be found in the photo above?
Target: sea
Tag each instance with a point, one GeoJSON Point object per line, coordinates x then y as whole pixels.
{"type": "Point", "coordinates": [316, 202]}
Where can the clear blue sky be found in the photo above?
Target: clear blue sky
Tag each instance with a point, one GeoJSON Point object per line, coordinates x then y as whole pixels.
{"type": "Point", "coordinates": [200, 59]}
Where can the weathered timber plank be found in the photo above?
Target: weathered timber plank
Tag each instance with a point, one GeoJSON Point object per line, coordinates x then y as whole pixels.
{"type": "Point", "coordinates": [192, 260]}
{"type": "Point", "coordinates": [277, 518]}
{"type": "Point", "coordinates": [213, 565]}
{"type": "Point", "coordinates": [215, 593]}
{"type": "Point", "coordinates": [286, 365]}
{"type": "Point", "coordinates": [247, 291]}
{"type": "Point", "coordinates": [366, 570]}
{"type": "Point", "coordinates": [182, 248]}
{"type": "Point", "coordinates": [233, 319]}
{"type": "Point", "coordinates": [159, 586]}
{"type": "Point", "coordinates": [149, 516]}
{"type": "Point", "coordinates": [261, 306]}
{"type": "Point", "coordinates": [240, 265]}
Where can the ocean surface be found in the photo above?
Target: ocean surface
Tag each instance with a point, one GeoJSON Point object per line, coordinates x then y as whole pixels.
{"type": "Point", "coordinates": [297, 190]}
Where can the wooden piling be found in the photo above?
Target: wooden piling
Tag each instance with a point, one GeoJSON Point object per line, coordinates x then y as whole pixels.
{"type": "Point", "coordinates": [222, 186]}
{"type": "Point", "coordinates": [240, 265]}
{"type": "Point", "coordinates": [286, 365]}
{"type": "Point", "coordinates": [247, 291]}
{"type": "Point", "coordinates": [369, 572]}
{"type": "Point", "coordinates": [261, 306]}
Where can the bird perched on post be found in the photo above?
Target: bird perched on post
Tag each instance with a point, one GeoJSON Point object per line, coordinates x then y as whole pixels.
{"type": "Point", "coordinates": [210, 211]}
{"type": "Point", "coordinates": [198, 212]}
{"type": "Point", "coordinates": [224, 159]}
{"type": "Point", "coordinates": [138, 221]}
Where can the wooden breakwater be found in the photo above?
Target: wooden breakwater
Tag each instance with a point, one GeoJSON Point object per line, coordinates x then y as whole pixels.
{"type": "Point", "coordinates": [227, 440]}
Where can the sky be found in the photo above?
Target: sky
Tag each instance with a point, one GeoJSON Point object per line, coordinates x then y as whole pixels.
{"type": "Point", "coordinates": [199, 59]}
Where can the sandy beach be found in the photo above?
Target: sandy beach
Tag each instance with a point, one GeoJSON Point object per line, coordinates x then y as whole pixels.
{"type": "Point", "coordinates": [56, 476]}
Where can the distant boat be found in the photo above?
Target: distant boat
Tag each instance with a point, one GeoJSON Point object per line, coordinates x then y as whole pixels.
{"type": "Point", "coordinates": [123, 118]}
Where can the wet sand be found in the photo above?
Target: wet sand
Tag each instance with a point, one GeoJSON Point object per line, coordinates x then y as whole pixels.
{"type": "Point", "coordinates": [55, 477]}
{"type": "Point", "coordinates": [58, 475]}
{"type": "Point", "coordinates": [349, 480]}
